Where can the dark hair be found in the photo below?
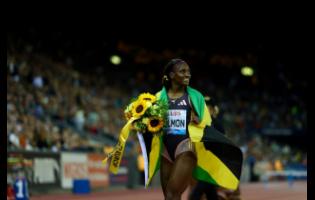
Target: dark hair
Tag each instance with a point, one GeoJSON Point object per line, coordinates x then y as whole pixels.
{"type": "Point", "coordinates": [166, 80]}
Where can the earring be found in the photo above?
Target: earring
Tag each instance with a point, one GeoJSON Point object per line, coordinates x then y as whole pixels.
{"type": "Point", "coordinates": [165, 78]}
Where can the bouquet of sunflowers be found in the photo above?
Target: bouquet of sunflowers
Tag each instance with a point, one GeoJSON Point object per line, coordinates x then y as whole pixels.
{"type": "Point", "coordinates": [144, 114]}
{"type": "Point", "coordinates": [149, 114]}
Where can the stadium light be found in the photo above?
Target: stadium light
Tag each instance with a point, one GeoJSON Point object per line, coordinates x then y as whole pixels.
{"type": "Point", "coordinates": [114, 59]}
{"type": "Point", "coordinates": [247, 71]}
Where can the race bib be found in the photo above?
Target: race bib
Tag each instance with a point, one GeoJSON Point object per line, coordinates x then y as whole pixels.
{"type": "Point", "coordinates": [176, 122]}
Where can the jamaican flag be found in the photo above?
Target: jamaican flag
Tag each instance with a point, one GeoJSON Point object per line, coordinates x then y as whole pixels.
{"type": "Point", "coordinates": [219, 161]}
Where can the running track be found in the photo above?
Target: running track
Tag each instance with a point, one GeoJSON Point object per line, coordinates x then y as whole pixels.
{"type": "Point", "coordinates": [257, 191]}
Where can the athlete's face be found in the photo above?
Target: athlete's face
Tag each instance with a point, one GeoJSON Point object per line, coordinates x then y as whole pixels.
{"type": "Point", "coordinates": [181, 74]}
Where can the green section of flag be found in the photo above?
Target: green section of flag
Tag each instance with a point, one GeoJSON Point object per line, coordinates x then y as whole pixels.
{"type": "Point", "coordinates": [201, 174]}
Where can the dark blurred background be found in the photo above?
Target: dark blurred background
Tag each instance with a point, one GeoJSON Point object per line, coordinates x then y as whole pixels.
{"type": "Point", "coordinates": [66, 91]}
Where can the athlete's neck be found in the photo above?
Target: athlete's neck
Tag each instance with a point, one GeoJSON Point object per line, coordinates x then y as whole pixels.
{"type": "Point", "coordinates": [176, 91]}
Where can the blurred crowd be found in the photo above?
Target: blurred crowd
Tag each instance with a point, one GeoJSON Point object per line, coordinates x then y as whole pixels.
{"type": "Point", "coordinates": [52, 106]}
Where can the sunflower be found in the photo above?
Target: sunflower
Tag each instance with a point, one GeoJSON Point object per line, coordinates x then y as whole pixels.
{"type": "Point", "coordinates": [138, 108]}
{"type": "Point", "coordinates": [128, 108]}
{"type": "Point", "coordinates": [127, 112]}
{"type": "Point", "coordinates": [155, 124]}
{"type": "Point", "coordinates": [147, 97]}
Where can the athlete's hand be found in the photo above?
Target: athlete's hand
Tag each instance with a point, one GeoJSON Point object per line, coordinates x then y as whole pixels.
{"type": "Point", "coordinates": [194, 118]}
